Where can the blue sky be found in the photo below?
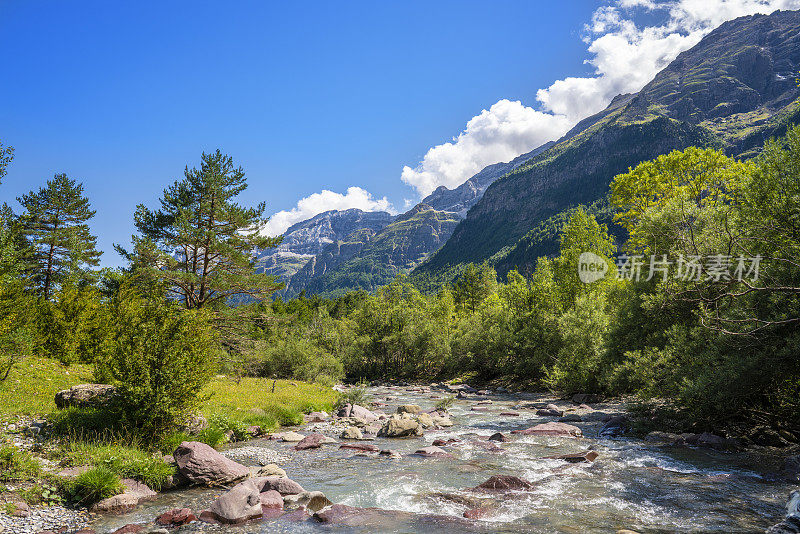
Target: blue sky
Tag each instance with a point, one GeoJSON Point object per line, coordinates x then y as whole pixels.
{"type": "Point", "coordinates": [306, 97]}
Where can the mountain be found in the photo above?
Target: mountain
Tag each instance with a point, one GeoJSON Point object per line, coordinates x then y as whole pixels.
{"type": "Point", "coordinates": [463, 197]}
{"type": "Point", "coordinates": [369, 259]}
{"type": "Point", "coordinates": [304, 240]}
{"type": "Point", "coordinates": [732, 90]}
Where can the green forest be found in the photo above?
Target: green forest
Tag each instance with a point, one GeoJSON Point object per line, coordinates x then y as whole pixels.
{"type": "Point", "coordinates": [713, 351]}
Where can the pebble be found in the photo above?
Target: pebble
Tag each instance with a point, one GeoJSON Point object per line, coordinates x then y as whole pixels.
{"type": "Point", "coordinates": [45, 518]}
{"type": "Point", "coordinates": [256, 455]}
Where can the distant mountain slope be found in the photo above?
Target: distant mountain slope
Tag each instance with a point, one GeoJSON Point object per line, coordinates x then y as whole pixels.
{"type": "Point", "coordinates": [732, 90]}
{"type": "Point", "coordinates": [306, 239]}
{"type": "Point", "coordinates": [366, 260]}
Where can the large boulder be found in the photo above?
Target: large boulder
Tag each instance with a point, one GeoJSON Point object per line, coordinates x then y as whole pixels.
{"type": "Point", "coordinates": [401, 426]}
{"type": "Point", "coordinates": [552, 429]}
{"type": "Point", "coordinates": [242, 503]}
{"type": "Point", "coordinates": [135, 493]}
{"type": "Point", "coordinates": [200, 464]}
{"type": "Point", "coordinates": [504, 483]}
{"type": "Point", "coordinates": [86, 396]}
{"type": "Point", "coordinates": [359, 412]}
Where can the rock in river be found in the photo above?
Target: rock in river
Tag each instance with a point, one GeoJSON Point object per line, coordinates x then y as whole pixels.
{"type": "Point", "coordinates": [202, 465]}
{"type": "Point", "coordinates": [400, 426]}
{"type": "Point", "coordinates": [504, 483]}
{"type": "Point", "coordinates": [242, 503]}
{"type": "Point", "coordinates": [552, 429]}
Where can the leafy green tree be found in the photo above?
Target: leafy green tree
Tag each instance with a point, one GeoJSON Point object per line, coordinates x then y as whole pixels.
{"type": "Point", "coordinates": [474, 285]}
{"type": "Point", "coordinates": [55, 222]}
{"type": "Point", "coordinates": [200, 242]}
{"type": "Point", "coordinates": [160, 355]}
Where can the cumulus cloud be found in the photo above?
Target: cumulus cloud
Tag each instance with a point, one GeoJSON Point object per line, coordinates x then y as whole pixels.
{"type": "Point", "coordinates": [625, 56]}
{"type": "Point", "coordinates": [325, 200]}
{"type": "Point", "coordinates": [500, 133]}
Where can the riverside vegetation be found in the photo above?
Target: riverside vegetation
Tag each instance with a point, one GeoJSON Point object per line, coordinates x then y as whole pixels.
{"type": "Point", "coordinates": [711, 354]}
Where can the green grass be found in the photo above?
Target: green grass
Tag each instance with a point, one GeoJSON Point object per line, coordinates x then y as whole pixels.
{"type": "Point", "coordinates": [33, 384]}
{"type": "Point", "coordinates": [252, 402]}
{"type": "Point", "coordinates": [17, 465]}
{"type": "Point", "coordinates": [125, 461]}
{"type": "Point", "coordinates": [94, 485]}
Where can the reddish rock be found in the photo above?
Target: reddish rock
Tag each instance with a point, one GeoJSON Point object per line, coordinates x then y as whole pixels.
{"type": "Point", "coordinates": [444, 442]}
{"type": "Point", "coordinates": [497, 436]}
{"type": "Point", "coordinates": [201, 464]}
{"type": "Point", "coordinates": [176, 517]}
{"type": "Point", "coordinates": [312, 441]}
{"type": "Point", "coordinates": [284, 486]}
{"type": "Point", "coordinates": [504, 483]}
{"type": "Point", "coordinates": [242, 503]}
{"type": "Point", "coordinates": [271, 499]}
{"type": "Point", "coordinates": [588, 456]}
{"type": "Point", "coordinates": [488, 446]}
{"type": "Point", "coordinates": [510, 414]}
{"type": "Point", "coordinates": [551, 429]}
{"type": "Point", "coordinates": [129, 529]}
{"type": "Point", "coordinates": [207, 517]}
{"type": "Point", "coordinates": [480, 513]}
{"type": "Point", "coordinates": [366, 447]}
{"type": "Point", "coordinates": [432, 452]}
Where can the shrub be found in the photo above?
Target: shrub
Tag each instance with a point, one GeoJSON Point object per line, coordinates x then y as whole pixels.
{"type": "Point", "coordinates": [445, 403]}
{"type": "Point", "coordinates": [355, 395]}
{"type": "Point", "coordinates": [160, 358]}
{"type": "Point", "coordinates": [125, 461]}
{"type": "Point", "coordinates": [94, 485]}
{"type": "Point", "coordinates": [298, 358]}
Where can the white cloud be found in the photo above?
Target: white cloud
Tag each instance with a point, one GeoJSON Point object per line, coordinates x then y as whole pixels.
{"type": "Point", "coordinates": [325, 200]}
{"type": "Point", "coordinates": [501, 133]}
{"type": "Point", "coordinates": [625, 57]}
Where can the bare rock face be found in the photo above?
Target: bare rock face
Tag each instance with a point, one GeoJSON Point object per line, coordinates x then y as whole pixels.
{"type": "Point", "coordinates": [135, 493]}
{"type": "Point", "coordinates": [552, 429]}
{"type": "Point", "coordinates": [504, 483]}
{"type": "Point", "coordinates": [200, 464]}
{"type": "Point", "coordinates": [85, 396]}
{"type": "Point", "coordinates": [242, 503]}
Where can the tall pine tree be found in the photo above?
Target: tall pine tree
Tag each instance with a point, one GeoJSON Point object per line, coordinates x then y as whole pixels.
{"type": "Point", "coordinates": [55, 222]}
{"type": "Point", "coordinates": [201, 243]}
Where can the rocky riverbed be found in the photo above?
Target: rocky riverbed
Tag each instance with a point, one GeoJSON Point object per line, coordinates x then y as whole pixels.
{"type": "Point", "coordinates": [496, 462]}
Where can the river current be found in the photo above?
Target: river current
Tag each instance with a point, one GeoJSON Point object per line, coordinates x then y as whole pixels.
{"type": "Point", "coordinates": [642, 485]}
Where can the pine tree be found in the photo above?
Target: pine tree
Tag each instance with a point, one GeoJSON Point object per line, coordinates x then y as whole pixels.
{"type": "Point", "coordinates": [200, 244]}
{"type": "Point", "coordinates": [6, 155]}
{"type": "Point", "coordinates": [55, 222]}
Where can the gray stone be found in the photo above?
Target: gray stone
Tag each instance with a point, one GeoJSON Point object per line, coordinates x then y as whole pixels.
{"type": "Point", "coordinates": [202, 465]}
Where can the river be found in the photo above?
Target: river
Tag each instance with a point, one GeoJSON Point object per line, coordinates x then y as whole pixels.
{"type": "Point", "coordinates": [645, 486]}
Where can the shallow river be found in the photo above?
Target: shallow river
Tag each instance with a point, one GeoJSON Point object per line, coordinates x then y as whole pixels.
{"type": "Point", "coordinates": [633, 484]}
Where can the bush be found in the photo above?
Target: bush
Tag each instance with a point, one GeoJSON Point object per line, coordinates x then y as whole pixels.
{"type": "Point", "coordinates": [445, 403]}
{"type": "Point", "coordinates": [160, 357]}
{"type": "Point", "coordinates": [94, 485]}
{"type": "Point", "coordinates": [298, 358]}
{"type": "Point", "coordinates": [355, 395]}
